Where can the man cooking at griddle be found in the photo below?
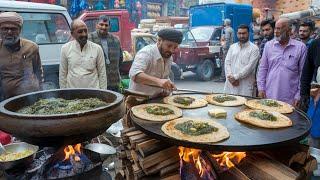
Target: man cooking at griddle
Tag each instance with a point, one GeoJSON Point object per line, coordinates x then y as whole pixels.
{"type": "Point", "coordinates": [151, 67]}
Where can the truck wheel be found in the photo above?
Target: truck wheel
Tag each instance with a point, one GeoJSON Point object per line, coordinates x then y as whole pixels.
{"type": "Point", "coordinates": [205, 70]}
{"type": "Point", "coordinates": [176, 71]}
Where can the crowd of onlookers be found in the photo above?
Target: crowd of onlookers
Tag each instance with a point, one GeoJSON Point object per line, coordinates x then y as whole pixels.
{"type": "Point", "coordinates": [281, 63]}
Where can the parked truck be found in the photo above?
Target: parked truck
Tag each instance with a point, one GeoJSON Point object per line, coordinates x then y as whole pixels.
{"type": "Point", "coordinates": [200, 50]}
{"type": "Point", "coordinates": [214, 14]}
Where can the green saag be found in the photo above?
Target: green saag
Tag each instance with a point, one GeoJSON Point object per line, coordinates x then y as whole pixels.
{"type": "Point", "coordinates": [223, 98]}
{"type": "Point", "coordinates": [62, 106]}
{"type": "Point", "coordinates": [184, 100]}
{"type": "Point", "coordinates": [269, 102]}
{"type": "Point", "coordinates": [159, 110]}
{"type": "Point", "coordinates": [195, 128]}
{"type": "Point", "coordinates": [263, 115]}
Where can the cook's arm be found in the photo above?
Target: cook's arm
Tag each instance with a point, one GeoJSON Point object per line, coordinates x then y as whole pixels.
{"type": "Point", "coordinates": [63, 69]}
{"type": "Point", "coordinates": [101, 67]}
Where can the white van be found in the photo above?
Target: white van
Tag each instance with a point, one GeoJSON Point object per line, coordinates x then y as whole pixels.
{"type": "Point", "coordinates": [48, 26]}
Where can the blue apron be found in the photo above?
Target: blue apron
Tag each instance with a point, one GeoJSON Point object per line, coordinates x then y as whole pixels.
{"type": "Point", "coordinates": [314, 115]}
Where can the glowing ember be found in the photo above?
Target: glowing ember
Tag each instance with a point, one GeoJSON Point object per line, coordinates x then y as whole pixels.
{"type": "Point", "coordinates": [227, 159]}
{"type": "Point", "coordinates": [71, 151]}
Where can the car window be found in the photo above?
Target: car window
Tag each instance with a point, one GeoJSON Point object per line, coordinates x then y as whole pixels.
{"type": "Point", "coordinates": [188, 39]}
{"type": "Point", "coordinates": [202, 34]}
{"type": "Point", "coordinates": [45, 28]}
{"type": "Point", "coordinates": [216, 35]}
{"type": "Point", "coordinates": [114, 24]}
{"type": "Point", "coordinates": [143, 41]}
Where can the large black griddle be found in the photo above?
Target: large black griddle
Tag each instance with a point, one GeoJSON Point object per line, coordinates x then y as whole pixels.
{"type": "Point", "coordinates": [243, 137]}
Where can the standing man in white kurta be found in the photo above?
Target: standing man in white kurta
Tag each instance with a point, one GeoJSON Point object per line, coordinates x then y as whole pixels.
{"type": "Point", "coordinates": [82, 62]}
{"type": "Point", "coordinates": [240, 64]}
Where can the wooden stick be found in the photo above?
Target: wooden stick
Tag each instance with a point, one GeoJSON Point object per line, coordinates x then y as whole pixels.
{"type": "Point", "coordinates": [151, 146]}
{"type": "Point", "coordinates": [259, 166]}
{"type": "Point", "coordinates": [158, 157]}
{"type": "Point", "coordinates": [170, 169]}
{"type": "Point", "coordinates": [156, 168]}
{"type": "Point", "coordinates": [175, 176]}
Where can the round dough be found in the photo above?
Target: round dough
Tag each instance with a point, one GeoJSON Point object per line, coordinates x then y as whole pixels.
{"type": "Point", "coordinates": [169, 129]}
{"type": "Point", "coordinates": [197, 103]}
{"type": "Point", "coordinates": [140, 112]}
{"type": "Point", "coordinates": [240, 100]}
{"type": "Point", "coordinates": [282, 120]}
{"type": "Point", "coordinates": [284, 108]}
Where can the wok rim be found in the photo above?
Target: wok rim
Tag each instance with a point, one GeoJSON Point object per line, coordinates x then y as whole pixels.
{"type": "Point", "coordinates": [117, 101]}
{"type": "Point", "coordinates": [35, 148]}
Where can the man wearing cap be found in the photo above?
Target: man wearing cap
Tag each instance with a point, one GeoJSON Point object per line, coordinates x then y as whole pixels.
{"type": "Point", "coordinates": [20, 65]}
{"type": "Point", "coordinates": [151, 67]}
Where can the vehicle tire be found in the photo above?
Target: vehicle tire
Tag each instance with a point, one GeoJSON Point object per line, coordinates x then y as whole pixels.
{"type": "Point", "coordinates": [171, 76]}
{"type": "Point", "coordinates": [176, 72]}
{"type": "Point", "coordinates": [205, 70]}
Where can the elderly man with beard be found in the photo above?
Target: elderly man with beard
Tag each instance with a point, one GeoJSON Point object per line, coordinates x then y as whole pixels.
{"type": "Point", "coordinates": [82, 62]}
{"type": "Point", "coordinates": [20, 65]}
{"type": "Point", "coordinates": [241, 61]}
{"type": "Point", "coordinates": [112, 51]}
{"type": "Point", "coordinates": [150, 70]}
{"type": "Point", "coordinates": [281, 66]}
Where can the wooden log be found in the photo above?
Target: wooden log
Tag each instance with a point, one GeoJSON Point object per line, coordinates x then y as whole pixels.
{"type": "Point", "coordinates": [126, 130]}
{"type": "Point", "coordinates": [149, 147]}
{"type": "Point", "coordinates": [291, 154]}
{"type": "Point", "coordinates": [132, 133]}
{"type": "Point", "coordinates": [259, 166]}
{"type": "Point", "coordinates": [160, 156]}
{"type": "Point", "coordinates": [233, 173]}
{"type": "Point", "coordinates": [174, 176]}
{"type": "Point", "coordinates": [311, 165]}
{"type": "Point", "coordinates": [156, 168]}
{"type": "Point", "coordinates": [137, 171]}
{"type": "Point", "coordinates": [137, 138]}
{"type": "Point", "coordinates": [169, 169]}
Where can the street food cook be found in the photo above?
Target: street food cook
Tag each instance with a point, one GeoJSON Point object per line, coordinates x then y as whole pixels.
{"type": "Point", "coordinates": [264, 119]}
{"type": "Point", "coordinates": [156, 112]}
{"type": "Point", "coordinates": [185, 101]}
{"type": "Point", "coordinates": [62, 106]}
{"type": "Point", "coordinates": [270, 105]}
{"type": "Point", "coordinates": [195, 130]}
{"type": "Point", "coordinates": [225, 100]}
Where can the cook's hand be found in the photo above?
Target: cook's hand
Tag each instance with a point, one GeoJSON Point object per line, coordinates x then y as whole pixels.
{"type": "Point", "coordinates": [231, 79]}
{"type": "Point", "coordinates": [296, 103]}
{"type": "Point", "coordinates": [315, 94]}
{"type": "Point", "coordinates": [262, 94]}
{"type": "Point", "coordinates": [236, 83]}
{"type": "Point", "coordinates": [167, 84]}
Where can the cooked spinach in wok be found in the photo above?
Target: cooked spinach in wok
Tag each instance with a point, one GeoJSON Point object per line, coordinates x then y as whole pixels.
{"type": "Point", "coordinates": [62, 106]}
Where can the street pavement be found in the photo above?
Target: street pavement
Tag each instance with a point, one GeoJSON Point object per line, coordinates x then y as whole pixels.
{"type": "Point", "coordinates": [190, 81]}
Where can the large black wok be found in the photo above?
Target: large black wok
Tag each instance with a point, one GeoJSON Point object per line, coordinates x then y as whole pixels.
{"type": "Point", "coordinates": [57, 130]}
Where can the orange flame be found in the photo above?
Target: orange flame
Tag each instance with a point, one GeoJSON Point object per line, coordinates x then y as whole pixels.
{"type": "Point", "coordinates": [191, 155]}
{"type": "Point", "coordinates": [227, 159]}
{"type": "Point", "coordinates": [71, 151]}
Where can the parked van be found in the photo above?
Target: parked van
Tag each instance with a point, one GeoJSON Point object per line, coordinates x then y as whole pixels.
{"type": "Point", "coordinates": [48, 26]}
